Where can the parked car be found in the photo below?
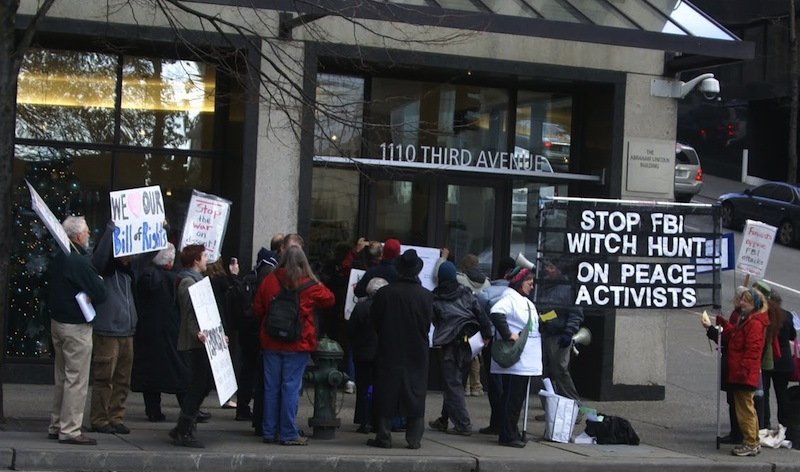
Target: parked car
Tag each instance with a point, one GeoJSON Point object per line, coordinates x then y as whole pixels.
{"type": "Point", "coordinates": [555, 146]}
{"type": "Point", "coordinates": [688, 173]}
{"type": "Point", "coordinates": [774, 203]}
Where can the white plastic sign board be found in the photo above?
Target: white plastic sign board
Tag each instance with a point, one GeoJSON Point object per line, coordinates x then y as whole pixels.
{"type": "Point", "coordinates": [351, 299]}
{"type": "Point", "coordinates": [757, 241]}
{"type": "Point", "coordinates": [138, 215]}
{"type": "Point", "coordinates": [219, 356]}
{"type": "Point", "coordinates": [49, 219]}
{"type": "Point", "coordinates": [206, 221]}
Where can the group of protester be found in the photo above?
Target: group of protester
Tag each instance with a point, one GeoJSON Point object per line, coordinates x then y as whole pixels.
{"type": "Point", "coordinates": [756, 356]}
{"type": "Point", "coordinates": [159, 348]}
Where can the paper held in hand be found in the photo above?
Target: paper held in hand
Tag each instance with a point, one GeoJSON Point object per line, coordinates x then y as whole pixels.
{"type": "Point", "coordinates": [86, 306]}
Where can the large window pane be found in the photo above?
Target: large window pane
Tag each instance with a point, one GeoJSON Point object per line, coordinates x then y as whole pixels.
{"type": "Point", "coordinates": [334, 212]}
{"type": "Point", "coordinates": [469, 223]}
{"type": "Point", "coordinates": [402, 211]}
{"type": "Point", "coordinates": [524, 210]}
{"type": "Point", "coordinates": [167, 103]}
{"type": "Point", "coordinates": [544, 123]}
{"type": "Point", "coordinates": [339, 115]}
{"type": "Point", "coordinates": [66, 96]}
{"type": "Point", "coordinates": [427, 122]}
{"type": "Point", "coordinates": [67, 181]}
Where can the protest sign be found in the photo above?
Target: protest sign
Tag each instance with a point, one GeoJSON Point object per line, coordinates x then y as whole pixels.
{"type": "Point", "coordinates": [627, 254]}
{"type": "Point", "coordinates": [205, 309]}
{"type": "Point", "coordinates": [757, 240]}
{"type": "Point", "coordinates": [429, 256]}
{"type": "Point", "coordinates": [138, 215]}
{"type": "Point", "coordinates": [206, 222]}
{"type": "Point", "coordinates": [351, 299]}
{"type": "Point", "coordinates": [49, 219]}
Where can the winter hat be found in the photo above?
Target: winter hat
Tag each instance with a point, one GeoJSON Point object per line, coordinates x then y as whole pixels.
{"type": "Point", "coordinates": [391, 249]}
{"type": "Point", "coordinates": [409, 264]}
{"type": "Point", "coordinates": [375, 284]}
{"type": "Point", "coordinates": [506, 265]}
{"type": "Point", "coordinates": [517, 276]}
{"type": "Point", "coordinates": [447, 271]}
{"type": "Point", "coordinates": [763, 287]}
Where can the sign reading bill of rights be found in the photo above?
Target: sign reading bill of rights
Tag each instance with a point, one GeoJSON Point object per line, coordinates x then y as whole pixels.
{"type": "Point", "coordinates": [623, 254]}
{"type": "Point", "coordinates": [138, 214]}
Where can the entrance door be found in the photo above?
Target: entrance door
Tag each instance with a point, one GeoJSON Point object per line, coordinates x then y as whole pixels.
{"type": "Point", "coordinates": [436, 212]}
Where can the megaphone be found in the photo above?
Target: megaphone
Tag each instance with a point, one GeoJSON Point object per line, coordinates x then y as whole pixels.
{"type": "Point", "coordinates": [523, 262]}
{"type": "Point", "coordinates": [582, 337]}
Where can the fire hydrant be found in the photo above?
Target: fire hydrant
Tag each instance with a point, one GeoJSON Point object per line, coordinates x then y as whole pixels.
{"type": "Point", "coordinates": [327, 379]}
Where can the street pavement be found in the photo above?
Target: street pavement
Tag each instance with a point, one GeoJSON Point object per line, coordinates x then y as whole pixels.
{"type": "Point", "coordinates": [677, 433]}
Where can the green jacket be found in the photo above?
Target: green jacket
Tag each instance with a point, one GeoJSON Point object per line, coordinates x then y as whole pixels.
{"type": "Point", "coordinates": [67, 275]}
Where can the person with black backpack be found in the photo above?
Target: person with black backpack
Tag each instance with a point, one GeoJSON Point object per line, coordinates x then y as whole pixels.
{"type": "Point", "coordinates": [284, 305]}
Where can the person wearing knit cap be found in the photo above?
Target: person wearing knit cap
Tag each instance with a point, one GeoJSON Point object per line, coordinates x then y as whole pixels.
{"type": "Point", "coordinates": [513, 313]}
{"type": "Point", "coordinates": [712, 332]}
{"type": "Point", "coordinates": [559, 320]}
{"type": "Point", "coordinates": [457, 316]}
{"type": "Point", "coordinates": [470, 276]}
{"type": "Point", "coordinates": [494, 388]}
{"type": "Point", "coordinates": [385, 269]}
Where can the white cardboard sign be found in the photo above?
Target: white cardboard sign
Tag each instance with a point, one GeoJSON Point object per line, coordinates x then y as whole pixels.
{"type": "Point", "coordinates": [757, 241]}
{"type": "Point", "coordinates": [219, 356]}
{"type": "Point", "coordinates": [206, 221]}
{"type": "Point", "coordinates": [138, 214]}
{"type": "Point", "coordinates": [49, 219]}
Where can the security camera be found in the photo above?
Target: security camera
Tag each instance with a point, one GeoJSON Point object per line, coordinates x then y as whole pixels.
{"type": "Point", "coordinates": [709, 88]}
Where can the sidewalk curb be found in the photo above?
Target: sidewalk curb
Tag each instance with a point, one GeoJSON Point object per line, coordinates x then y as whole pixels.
{"type": "Point", "coordinates": [135, 461]}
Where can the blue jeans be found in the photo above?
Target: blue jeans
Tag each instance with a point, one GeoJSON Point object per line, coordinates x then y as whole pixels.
{"type": "Point", "coordinates": [283, 378]}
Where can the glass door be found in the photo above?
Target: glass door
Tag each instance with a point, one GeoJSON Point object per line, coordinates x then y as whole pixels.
{"type": "Point", "coordinates": [468, 226]}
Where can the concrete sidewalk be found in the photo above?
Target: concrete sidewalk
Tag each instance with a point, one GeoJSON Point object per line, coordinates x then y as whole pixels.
{"type": "Point", "coordinates": [677, 434]}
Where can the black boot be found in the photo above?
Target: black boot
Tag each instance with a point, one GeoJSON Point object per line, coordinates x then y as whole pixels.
{"type": "Point", "coordinates": [183, 433]}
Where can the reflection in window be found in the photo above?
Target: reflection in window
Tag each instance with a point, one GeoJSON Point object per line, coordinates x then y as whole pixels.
{"type": "Point", "coordinates": [544, 123]}
{"type": "Point", "coordinates": [334, 213]}
{"type": "Point", "coordinates": [402, 211]}
{"type": "Point", "coordinates": [167, 103]}
{"type": "Point", "coordinates": [66, 96]}
{"type": "Point", "coordinates": [524, 209]}
{"type": "Point", "coordinates": [426, 122]}
{"type": "Point", "coordinates": [339, 115]}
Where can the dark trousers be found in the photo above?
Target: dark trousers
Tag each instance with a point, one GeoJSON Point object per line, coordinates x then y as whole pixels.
{"type": "Point", "coordinates": [152, 402]}
{"type": "Point", "coordinates": [363, 414]}
{"type": "Point", "coordinates": [415, 427]}
{"type": "Point", "coordinates": [515, 388]}
{"type": "Point", "coordinates": [494, 389]}
{"type": "Point", "coordinates": [780, 380]}
{"type": "Point", "coordinates": [249, 364]}
{"type": "Point", "coordinates": [455, 362]}
{"type": "Point", "coordinates": [200, 382]}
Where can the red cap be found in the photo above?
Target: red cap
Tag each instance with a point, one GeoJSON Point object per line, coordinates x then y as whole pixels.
{"type": "Point", "coordinates": [391, 249]}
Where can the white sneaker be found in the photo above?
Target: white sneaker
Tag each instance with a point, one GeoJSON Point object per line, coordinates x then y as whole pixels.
{"type": "Point", "coordinates": [350, 387]}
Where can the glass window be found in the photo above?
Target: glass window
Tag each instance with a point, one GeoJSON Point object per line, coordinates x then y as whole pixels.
{"type": "Point", "coordinates": [602, 14]}
{"type": "Point", "coordinates": [402, 211]}
{"type": "Point", "coordinates": [434, 123]}
{"type": "Point", "coordinates": [340, 114]}
{"type": "Point", "coordinates": [544, 124]}
{"type": "Point", "coordinates": [167, 103]}
{"type": "Point", "coordinates": [66, 96]}
{"type": "Point", "coordinates": [524, 215]}
{"type": "Point", "coordinates": [469, 223]}
{"type": "Point", "coordinates": [764, 191]}
{"type": "Point", "coordinates": [334, 211]}
{"type": "Point", "coordinates": [782, 193]}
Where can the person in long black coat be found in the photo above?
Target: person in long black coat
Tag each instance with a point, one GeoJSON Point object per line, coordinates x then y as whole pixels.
{"type": "Point", "coordinates": [402, 313]}
{"type": "Point", "coordinates": [158, 367]}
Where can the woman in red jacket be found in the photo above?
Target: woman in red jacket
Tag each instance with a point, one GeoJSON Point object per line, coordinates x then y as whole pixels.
{"type": "Point", "coordinates": [745, 343]}
{"type": "Point", "coordinates": [285, 362]}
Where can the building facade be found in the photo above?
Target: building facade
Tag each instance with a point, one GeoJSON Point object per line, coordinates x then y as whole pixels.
{"type": "Point", "coordinates": [439, 123]}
